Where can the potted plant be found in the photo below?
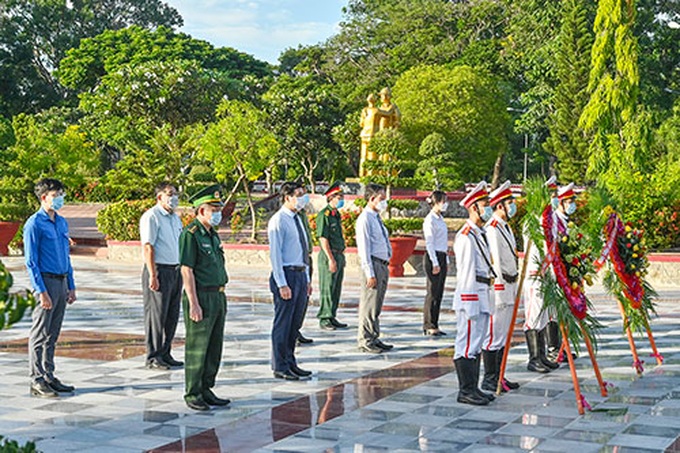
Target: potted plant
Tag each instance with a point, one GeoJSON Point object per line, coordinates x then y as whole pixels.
{"type": "Point", "coordinates": [12, 215]}
{"type": "Point", "coordinates": [403, 241]}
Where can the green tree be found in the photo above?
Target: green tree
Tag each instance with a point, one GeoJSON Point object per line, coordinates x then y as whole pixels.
{"type": "Point", "coordinates": [35, 35]}
{"type": "Point", "coordinates": [464, 105]}
{"type": "Point", "coordinates": [437, 166]}
{"type": "Point", "coordinates": [240, 143]}
{"type": "Point", "coordinates": [567, 140]}
{"type": "Point", "coordinates": [303, 114]}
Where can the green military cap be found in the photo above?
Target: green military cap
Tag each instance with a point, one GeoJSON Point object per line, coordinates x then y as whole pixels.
{"type": "Point", "coordinates": [335, 189]}
{"type": "Point", "coordinates": [210, 195]}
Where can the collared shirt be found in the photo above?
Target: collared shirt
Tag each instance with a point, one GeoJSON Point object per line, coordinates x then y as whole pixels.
{"type": "Point", "coordinates": [436, 236]}
{"type": "Point", "coordinates": [503, 248]}
{"type": "Point", "coordinates": [161, 229]}
{"type": "Point", "coordinates": [285, 248]}
{"type": "Point", "coordinates": [201, 250]}
{"type": "Point", "coordinates": [472, 260]}
{"type": "Point", "coordinates": [329, 226]}
{"type": "Point", "coordinates": [372, 240]}
{"type": "Point", "coordinates": [46, 248]}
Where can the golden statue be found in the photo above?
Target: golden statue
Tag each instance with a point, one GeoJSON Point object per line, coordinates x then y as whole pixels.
{"type": "Point", "coordinates": [374, 119]}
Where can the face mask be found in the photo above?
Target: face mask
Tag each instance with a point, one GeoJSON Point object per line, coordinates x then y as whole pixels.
{"type": "Point", "coordinates": [173, 202]}
{"type": "Point", "coordinates": [216, 218]}
{"type": "Point", "coordinates": [555, 202]}
{"type": "Point", "coordinates": [382, 205]}
{"type": "Point", "coordinates": [58, 202]}
{"type": "Point", "coordinates": [512, 210]}
{"type": "Point", "coordinates": [341, 203]}
{"type": "Point", "coordinates": [486, 215]}
{"type": "Point", "coordinates": [571, 209]}
{"type": "Point", "coordinates": [302, 202]}
{"type": "Point", "coordinates": [445, 207]}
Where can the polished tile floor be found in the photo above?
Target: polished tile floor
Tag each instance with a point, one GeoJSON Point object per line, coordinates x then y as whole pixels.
{"type": "Point", "coordinates": [401, 401]}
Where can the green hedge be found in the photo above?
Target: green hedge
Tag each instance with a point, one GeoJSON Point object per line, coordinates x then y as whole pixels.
{"type": "Point", "coordinates": [120, 221]}
{"type": "Point", "coordinates": [12, 446]}
{"type": "Point", "coordinates": [394, 203]}
{"type": "Point", "coordinates": [404, 225]}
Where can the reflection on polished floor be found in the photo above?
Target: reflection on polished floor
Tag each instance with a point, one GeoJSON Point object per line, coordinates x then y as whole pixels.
{"type": "Point", "coordinates": [404, 400]}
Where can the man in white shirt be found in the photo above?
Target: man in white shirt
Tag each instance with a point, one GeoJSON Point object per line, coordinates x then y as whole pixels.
{"type": "Point", "coordinates": [375, 252]}
{"type": "Point", "coordinates": [160, 228]}
{"type": "Point", "coordinates": [503, 248]}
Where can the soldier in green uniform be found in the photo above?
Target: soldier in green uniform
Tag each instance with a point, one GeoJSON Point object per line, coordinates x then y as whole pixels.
{"type": "Point", "coordinates": [204, 301]}
{"type": "Point", "coordinates": [331, 258]}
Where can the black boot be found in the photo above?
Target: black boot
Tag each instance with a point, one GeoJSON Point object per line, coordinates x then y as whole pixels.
{"type": "Point", "coordinates": [541, 351]}
{"type": "Point", "coordinates": [553, 340]}
{"type": "Point", "coordinates": [490, 381]}
{"type": "Point", "coordinates": [488, 396]}
{"type": "Point", "coordinates": [535, 363]}
{"type": "Point", "coordinates": [466, 387]}
{"type": "Point", "coordinates": [508, 384]}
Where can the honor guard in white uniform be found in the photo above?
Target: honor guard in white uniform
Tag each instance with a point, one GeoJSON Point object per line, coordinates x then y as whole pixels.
{"type": "Point", "coordinates": [471, 302]}
{"type": "Point", "coordinates": [535, 317]}
{"type": "Point", "coordinates": [503, 248]}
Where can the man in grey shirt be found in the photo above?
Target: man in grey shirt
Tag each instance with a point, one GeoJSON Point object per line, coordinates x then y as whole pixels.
{"type": "Point", "coordinates": [159, 229]}
{"type": "Point", "coordinates": [374, 253]}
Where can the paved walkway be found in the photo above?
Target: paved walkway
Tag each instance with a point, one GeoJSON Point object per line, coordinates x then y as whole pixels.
{"type": "Point", "coordinates": [401, 401]}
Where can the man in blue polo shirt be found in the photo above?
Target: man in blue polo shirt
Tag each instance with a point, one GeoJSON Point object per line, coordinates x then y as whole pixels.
{"type": "Point", "coordinates": [46, 248]}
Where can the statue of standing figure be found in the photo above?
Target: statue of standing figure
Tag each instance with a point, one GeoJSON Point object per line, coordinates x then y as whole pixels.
{"type": "Point", "coordinates": [373, 120]}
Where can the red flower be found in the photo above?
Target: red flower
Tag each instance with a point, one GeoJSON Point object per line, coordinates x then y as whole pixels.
{"type": "Point", "coordinates": [579, 236]}
{"type": "Point", "coordinates": [628, 245]}
{"type": "Point", "coordinates": [574, 262]}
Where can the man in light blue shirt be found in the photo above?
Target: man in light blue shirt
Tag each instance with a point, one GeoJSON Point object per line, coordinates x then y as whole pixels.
{"type": "Point", "coordinates": [289, 281]}
{"type": "Point", "coordinates": [374, 251]}
{"type": "Point", "coordinates": [160, 228]}
{"type": "Point", "coordinates": [47, 248]}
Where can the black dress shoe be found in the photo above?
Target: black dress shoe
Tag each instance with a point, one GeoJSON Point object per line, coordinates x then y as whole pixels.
{"type": "Point", "coordinates": [157, 364]}
{"type": "Point", "coordinates": [384, 346]}
{"type": "Point", "coordinates": [303, 340]}
{"type": "Point", "coordinates": [373, 349]}
{"type": "Point", "coordinates": [198, 405]}
{"type": "Point", "coordinates": [210, 398]}
{"type": "Point", "coordinates": [338, 324]}
{"type": "Point", "coordinates": [286, 375]}
{"type": "Point", "coordinates": [56, 385]}
{"type": "Point", "coordinates": [43, 390]}
{"type": "Point", "coordinates": [172, 362]}
{"type": "Point", "coordinates": [299, 371]}
{"type": "Point", "coordinates": [327, 325]}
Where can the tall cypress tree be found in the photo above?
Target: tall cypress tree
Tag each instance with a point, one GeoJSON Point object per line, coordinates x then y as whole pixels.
{"type": "Point", "coordinates": [614, 84]}
{"type": "Point", "coordinates": [567, 140]}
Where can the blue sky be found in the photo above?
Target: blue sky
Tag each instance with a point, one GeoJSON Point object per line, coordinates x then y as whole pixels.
{"type": "Point", "coordinates": [262, 28]}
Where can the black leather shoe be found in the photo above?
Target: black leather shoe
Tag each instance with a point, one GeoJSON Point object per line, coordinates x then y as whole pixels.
{"type": "Point", "coordinates": [384, 346]}
{"type": "Point", "coordinates": [373, 349]}
{"type": "Point", "coordinates": [56, 385]}
{"type": "Point", "coordinates": [168, 359]}
{"type": "Point", "coordinates": [303, 340]}
{"type": "Point", "coordinates": [198, 405]}
{"type": "Point", "coordinates": [43, 390]}
{"type": "Point", "coordinates": [157, 364]}
{"type": "Point", "coordinates": [210, 398]}
{"type": "Point", "coordinates": [286, 375]}
{"type": "Point", "coordinates": [338, 324]}
{"type": "Point", "coordinates": [299, 371]}
{"type": "Point", "coordinates": [327, 325]}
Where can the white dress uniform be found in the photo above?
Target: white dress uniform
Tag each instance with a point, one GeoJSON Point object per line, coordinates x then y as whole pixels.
{"type": "Point", "coordinates": [471, 300]}
{"type": "Point", "coordinates": [503, 248]}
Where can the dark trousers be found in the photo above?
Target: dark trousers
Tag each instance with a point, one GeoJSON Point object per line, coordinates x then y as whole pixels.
{"type": "Point", "coordinates": [45, 330]}
{"type": "Point", "coordinates": [304, 312]}
{"type": "Point", "coordinates": [330, 285]}
{"type": "Point", "coordinates": [161, 310]}
{"type": "Point", "coordinates": [203, 347]}
{"type": "Point", "coordinates": [288, 317]}
{"type": "Point", "coordinates": [435, 290]}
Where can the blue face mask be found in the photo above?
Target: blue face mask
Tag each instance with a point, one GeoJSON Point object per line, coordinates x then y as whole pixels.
{"type": "Point", "coordinates": [341, 203]}
{"type": "Point", "coordinates": [58, 202]}
{"type": "Point", "coordinates": [487, 213]}
{"type": "Point", "coordinates": [216, 218]}
{"type": "Point", "coordinates": [555, 202]}
{"type": "Point", "coordinates": [571, 209]}
{"type": "Point", "coordinates": [512, 210]}
{"type": "Point", "coordinates": [302, 202]}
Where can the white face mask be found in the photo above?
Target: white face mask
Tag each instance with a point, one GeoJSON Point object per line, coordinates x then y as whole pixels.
{"type": "Point", "coordinates": [445, 207]}
{"type": "Point", "coordinates": [382, 205]}
{"type": "Point", "coordinates": [173, 202]}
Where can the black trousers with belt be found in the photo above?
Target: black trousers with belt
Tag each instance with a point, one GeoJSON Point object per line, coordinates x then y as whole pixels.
{"type": "Point", "coordinates": [435, 290]}
{"type": "Point", "coordinates": [161, 310]}
{"type": "Point", "coordinates": [288, 316]}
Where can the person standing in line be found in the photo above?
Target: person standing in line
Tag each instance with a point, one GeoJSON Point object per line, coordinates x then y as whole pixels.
{"type": "Point", "coordinates": [331, 258]}
{"type": "Point", "coordinates": [160, 228]}
{"type": "Point", "coordinates": [303, 201]}
{"type": "Point", "coordinates": [503, 248]}
{"type": "Point", "coordinates": [435, 261]}
{"type": "Point", "coordinates": [374, 251]}
{"type": "Point", "coordinates": [47, 254]}
{"type": "Point", "coordinates": [289, 282]}
{"type": "Point", "coordinates": [471, 300]}
{"type": "Point", "coordinates": [204, 303]}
